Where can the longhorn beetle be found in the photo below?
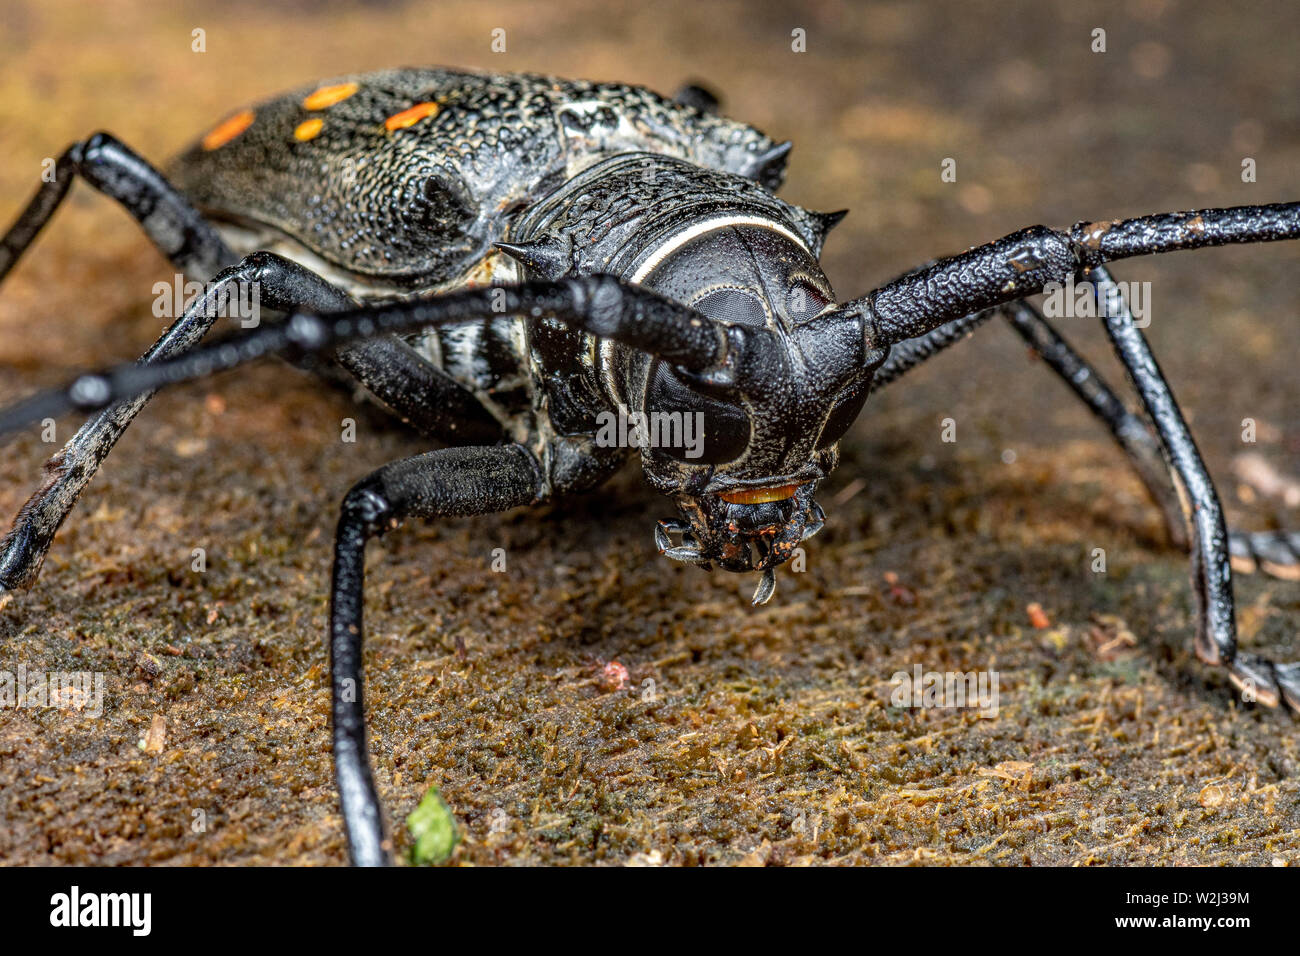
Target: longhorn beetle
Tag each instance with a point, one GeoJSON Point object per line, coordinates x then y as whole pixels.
{"type": "Point", "coordinates": [502, 260]}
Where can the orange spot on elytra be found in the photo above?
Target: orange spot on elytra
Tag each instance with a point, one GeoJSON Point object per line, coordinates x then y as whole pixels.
{"type": "Point", "coordinates": [308, 129]}
{"type": "Point", "coordinates": [410, 116]}
{"type": "Point", "coordinates": [227, 130]}
{"type": "Point", "coordinates": [328, 96]}
{"type": "Point", "coordinates": [758, 496]}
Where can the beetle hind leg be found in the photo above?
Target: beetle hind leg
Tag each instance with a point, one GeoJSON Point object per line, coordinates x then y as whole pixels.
{"type": "Point", "coordinates": [169, 219]}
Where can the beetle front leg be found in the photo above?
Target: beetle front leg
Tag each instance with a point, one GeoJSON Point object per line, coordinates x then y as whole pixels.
{"type": "Point", "coordinates": [1216, 626]}
{"type": "Point", "coordinates": [439, 484]}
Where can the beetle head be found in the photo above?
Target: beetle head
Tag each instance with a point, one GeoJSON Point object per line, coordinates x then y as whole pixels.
{"type": "Point", "coordinates": [748, 441]}
{"type": "Point", "coordinates": [761, 432]}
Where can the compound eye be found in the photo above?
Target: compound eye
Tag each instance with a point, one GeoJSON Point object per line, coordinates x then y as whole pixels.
{"type": "Point", "coordinates": [732, 305]}
{"type": "Point", "coordinates": [691, 427]}
{"type": "Point", "coordinates": [843, 414]}
{"type": "Point", "coordinates": [804, 301]}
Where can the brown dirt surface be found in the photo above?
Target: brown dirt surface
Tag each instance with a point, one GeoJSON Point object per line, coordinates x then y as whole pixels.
{"type": "Point", "coordinates": [767, 736]}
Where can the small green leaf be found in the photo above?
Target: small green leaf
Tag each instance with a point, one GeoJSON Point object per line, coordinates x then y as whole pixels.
{"type": "Point", "coordinates": [433, 828]}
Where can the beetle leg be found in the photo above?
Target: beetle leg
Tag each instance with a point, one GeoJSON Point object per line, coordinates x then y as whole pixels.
{"type": "Point", "coordinates": [1276, 553]}
{"type": "Point", "coordinates": [1131, 432]}
{"type": "Point", "coordinates": [438, 484]}
{"type": "Point", "coordinates": [1216, 630]}
{"type": "Point", "coordinates": [398, 376]}
{"type": "Point", "coordinates": [69, 471]}
{"type": "Point", "coordinates": [906, 355]}
{"type": "Point", "coordinates": [166, 216]}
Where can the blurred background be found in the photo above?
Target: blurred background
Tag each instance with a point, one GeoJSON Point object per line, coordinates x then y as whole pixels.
{"type": "Point", "coordinates": [486, 686]}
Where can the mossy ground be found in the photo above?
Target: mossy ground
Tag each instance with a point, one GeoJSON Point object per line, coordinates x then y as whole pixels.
{"type": "Point", "coordinates": [769, 737]}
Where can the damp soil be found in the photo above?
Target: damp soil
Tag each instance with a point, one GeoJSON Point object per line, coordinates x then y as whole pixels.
{"type": "Point", "coordinates": [737, 735]}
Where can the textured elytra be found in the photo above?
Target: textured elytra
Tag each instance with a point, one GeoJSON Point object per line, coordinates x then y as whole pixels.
{"type": "Point", "coordinates": [398, 183]}
{"type": "Point", "coordinates": [419, 206]}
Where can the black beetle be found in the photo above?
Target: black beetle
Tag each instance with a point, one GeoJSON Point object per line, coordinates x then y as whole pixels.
{"type": "Point", "coordinates": [521, 267]}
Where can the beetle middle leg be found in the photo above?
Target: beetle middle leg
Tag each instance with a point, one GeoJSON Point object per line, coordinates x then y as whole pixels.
{"type": "Point", "coordinates": [1192, 490]}
{"type": "Point", "coordinates": [69, 470]}
{"type": "Point", "coordinates": [1131, 432]}
{"type": "Point", "coordinates": [1184, 489]}
{"type": "Point", "coordinates": [1276, 553]}
{"type": "Point", "coordinates": [1186, 484]}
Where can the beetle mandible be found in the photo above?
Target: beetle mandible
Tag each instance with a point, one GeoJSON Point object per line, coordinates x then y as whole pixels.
{"type": "Point", "coordinates": [511, 262]}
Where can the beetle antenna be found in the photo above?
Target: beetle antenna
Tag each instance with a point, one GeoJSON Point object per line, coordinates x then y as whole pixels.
{"type": "Point", "coordinates": [602, 305]}
{"type": "Point", "coordinates": [1025, 262]}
